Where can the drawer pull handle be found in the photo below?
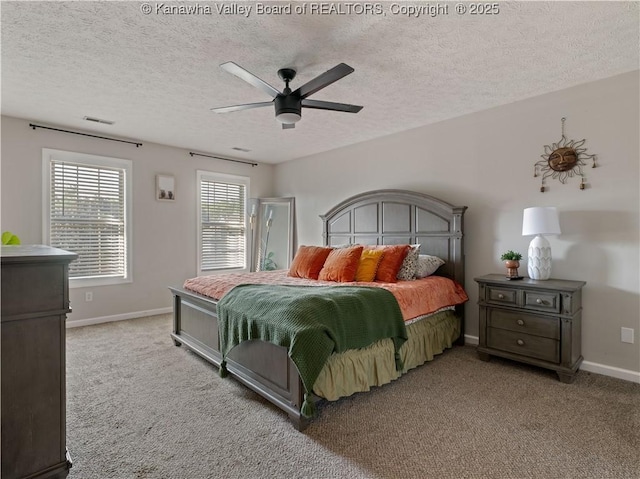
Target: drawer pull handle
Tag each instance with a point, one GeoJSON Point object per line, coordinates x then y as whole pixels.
{"type": "Point", "coordinates": [539, 301]}
{"type": "Point", "coordinates": [520, 322]}
{"type": "Point", "coordinates": [520, 342]}
{"type": "Point", "coordinates": [501, 296]}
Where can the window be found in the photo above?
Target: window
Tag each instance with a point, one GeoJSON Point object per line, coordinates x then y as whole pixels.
{"type": "Point", "coordinates": [87, 211]}
{"type": "Point", "coordinates": [222, 220]}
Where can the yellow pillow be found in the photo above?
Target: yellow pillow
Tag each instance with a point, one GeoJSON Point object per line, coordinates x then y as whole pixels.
{"type": "Point", "coordinates": [369, 262]}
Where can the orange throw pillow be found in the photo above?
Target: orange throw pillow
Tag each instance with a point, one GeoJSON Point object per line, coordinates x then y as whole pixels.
{"type": "Point", "coordinates": [369, 262]}
{"type": "Point", "coordinates": [341, 265]}
{"type": "Point", "coordinates": [391, 262]}
{"type": "Point", "coordinates": [309, 261]}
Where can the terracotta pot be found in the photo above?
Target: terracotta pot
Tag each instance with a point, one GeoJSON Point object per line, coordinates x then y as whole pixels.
{"type": "Point", "coordinates": [512, 268]}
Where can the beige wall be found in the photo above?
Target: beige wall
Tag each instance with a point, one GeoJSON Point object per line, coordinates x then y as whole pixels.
{"type": "Point", "coordinates": [164, 233]}
{"type": "Point", "coordinates": [485, 161]}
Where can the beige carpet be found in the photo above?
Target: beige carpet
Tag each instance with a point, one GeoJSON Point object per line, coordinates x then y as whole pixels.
{"type": "Point", "coordinates": [139, 407]}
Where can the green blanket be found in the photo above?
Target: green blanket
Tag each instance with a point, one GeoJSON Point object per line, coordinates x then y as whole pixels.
{"type": "Point", "coordinates": [312, 322]}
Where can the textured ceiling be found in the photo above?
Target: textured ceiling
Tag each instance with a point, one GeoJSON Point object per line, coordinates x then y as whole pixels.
{"type": "Point", "coordinates": [157, 75]}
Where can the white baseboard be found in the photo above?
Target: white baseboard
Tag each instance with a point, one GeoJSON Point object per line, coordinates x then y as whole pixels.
{"type": "Point", "coordinates": [117, 317]}
{"type": "Point", "coordinates": [471, 340]}
{"type": "Point", "coordinates": [626, 374]}
{"type": "Point", "coordinates": [611, 371]}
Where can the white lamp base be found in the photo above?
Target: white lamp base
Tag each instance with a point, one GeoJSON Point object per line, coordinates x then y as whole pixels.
{"type": "Point", "coordinates": [539, 260]}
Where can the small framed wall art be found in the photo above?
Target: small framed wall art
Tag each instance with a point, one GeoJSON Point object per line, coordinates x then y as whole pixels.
{"type": "Point", "coordinates": [165, 188]}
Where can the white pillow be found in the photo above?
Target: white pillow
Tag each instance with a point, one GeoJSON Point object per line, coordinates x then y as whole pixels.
{"type": "Point", "coordinates": [427, 265]}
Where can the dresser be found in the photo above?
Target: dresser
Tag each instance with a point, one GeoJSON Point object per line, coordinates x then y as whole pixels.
{"type": "Point", "coordinates": [35, 303]}
{"type": "Point", "coordinates": [532, 321]}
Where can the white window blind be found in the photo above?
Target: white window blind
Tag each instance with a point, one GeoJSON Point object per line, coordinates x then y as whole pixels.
{"type": "Point", "coordinates": [222, 225]}
{"type": "Point", "coordinates": [87, 215]}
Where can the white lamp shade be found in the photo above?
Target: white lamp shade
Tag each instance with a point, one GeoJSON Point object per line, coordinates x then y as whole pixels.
{"type": "Point", "coordinates": [540, 220]}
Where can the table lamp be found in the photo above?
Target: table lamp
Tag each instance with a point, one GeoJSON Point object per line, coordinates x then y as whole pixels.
{"type": "Point", "coordinates": [540, 221]}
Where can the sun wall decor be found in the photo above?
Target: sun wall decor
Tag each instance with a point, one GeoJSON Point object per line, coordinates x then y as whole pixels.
{"type": "Point", "coordinates": [563, 160]}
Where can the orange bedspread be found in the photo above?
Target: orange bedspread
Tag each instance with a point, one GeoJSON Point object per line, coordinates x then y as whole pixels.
{"type": "Point", "coordinates": [416, 298]}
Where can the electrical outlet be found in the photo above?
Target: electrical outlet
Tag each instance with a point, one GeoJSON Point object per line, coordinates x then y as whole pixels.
{"type": "Point", "coordinates": [626, 335]}
{"type": "Point", "coordinates": [88, 296]}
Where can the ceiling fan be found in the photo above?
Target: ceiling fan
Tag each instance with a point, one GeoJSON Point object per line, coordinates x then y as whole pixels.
{"type": "Point", "coordinates": [289, 104]}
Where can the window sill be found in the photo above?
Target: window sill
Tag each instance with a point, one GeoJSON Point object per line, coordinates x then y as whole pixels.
{"type": "Point", "coordinates": [91, 282]}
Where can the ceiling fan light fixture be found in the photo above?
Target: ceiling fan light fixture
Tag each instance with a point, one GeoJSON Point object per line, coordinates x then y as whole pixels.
{"type": "Point", "coordinates": [288, 117]}
{"type": "Point", "coordinates": [288, 108]}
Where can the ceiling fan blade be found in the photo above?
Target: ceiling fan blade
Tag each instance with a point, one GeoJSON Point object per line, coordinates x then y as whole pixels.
{"type": "Point", "coordinates": [246, 106]}
{"type": "Point", "coordinates": [323, 80]}
{"type": "Point", "coordinates": [288, 126]}
{"type": "Point", "coordinates": [250, 78]}
{"type": "Point", "coordinates": [329, 105]}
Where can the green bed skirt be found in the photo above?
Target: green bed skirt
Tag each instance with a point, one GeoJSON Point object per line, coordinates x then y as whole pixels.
{"type": "Point", "coordinates": [357, 370]}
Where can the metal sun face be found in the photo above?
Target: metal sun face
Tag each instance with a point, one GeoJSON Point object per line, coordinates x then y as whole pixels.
{"type": "Point", "coordinates": [563, 160]}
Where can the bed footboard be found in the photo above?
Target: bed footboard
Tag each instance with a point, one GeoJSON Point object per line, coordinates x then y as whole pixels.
{"type": "Point", "coordinates": [263, 367]}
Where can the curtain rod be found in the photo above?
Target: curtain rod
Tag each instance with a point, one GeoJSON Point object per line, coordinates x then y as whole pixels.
{"type": "Point", "coordinates": [224, 159]}
{"type": "Point", "coordinates": [85, 134]}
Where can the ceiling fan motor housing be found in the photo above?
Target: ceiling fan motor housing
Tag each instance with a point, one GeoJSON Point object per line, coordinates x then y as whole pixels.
{"type": "Point", "coordinates": [288, 104]}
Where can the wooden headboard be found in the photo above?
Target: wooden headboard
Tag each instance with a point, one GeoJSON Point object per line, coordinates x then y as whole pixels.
{"type": "Point", "coordinates": [400, 217]}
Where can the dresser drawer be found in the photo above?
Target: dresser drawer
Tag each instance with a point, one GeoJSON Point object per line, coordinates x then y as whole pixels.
{"type": "Point", "coordinates": [524, 344]}
{"type": "Point", "coordinates": [502, 296]}
{"type": "Point", "coordinates": [33, 288]}
{"type": "Point", "coordinates": [542, 301]}
{"type": "Point", "coordinates": [524, 323]}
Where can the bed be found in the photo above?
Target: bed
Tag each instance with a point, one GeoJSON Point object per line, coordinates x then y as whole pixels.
{"type": "Point", "coordinates": [382, 217]}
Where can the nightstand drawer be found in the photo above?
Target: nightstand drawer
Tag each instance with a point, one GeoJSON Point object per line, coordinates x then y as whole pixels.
{"type": "Point", "coordinates": [524, 323]}
{"type": "Point", "coordinates": [501, 295]}
{"type": "Point", "coordinates": [524, 344]}
{"type": "Point", "coordinates": [540, 301]}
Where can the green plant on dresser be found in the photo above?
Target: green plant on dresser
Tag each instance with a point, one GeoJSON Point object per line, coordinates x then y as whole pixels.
{"type": "Point", "coordinates": [511, 256]}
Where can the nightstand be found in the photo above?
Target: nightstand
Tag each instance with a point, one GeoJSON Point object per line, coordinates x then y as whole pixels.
{"type": "Point", "coordinates": [532, 321]}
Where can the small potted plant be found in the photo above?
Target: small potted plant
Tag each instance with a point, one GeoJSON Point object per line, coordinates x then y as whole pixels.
{"type": "Point", "coordinates": [8, 238]}
{"type": "Point", "coordinates": [512, 262]}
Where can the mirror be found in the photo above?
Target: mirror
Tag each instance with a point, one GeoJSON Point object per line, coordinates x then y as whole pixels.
{"type": "Point", "coordinates": [274, 245]}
